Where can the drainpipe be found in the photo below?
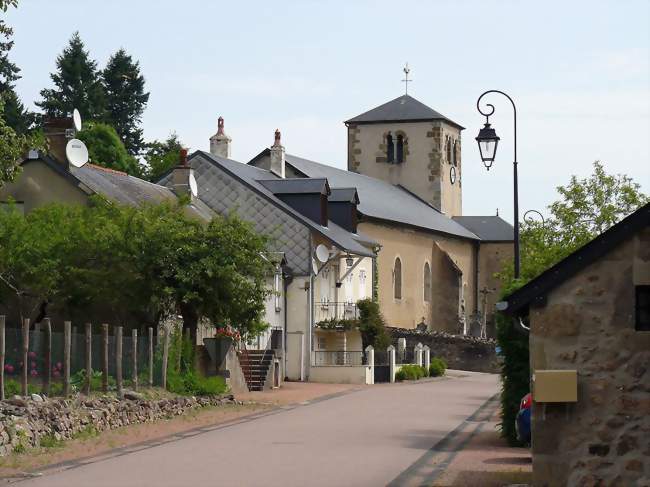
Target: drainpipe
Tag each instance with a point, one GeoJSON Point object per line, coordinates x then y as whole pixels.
{"type": "Point", "coordinates": [287, 278]}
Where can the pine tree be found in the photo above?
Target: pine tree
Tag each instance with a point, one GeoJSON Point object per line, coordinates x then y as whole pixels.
{"type": "Point", "coordinates": [77, 84]}
{"type": "Point", "coordinates": [125, 99]}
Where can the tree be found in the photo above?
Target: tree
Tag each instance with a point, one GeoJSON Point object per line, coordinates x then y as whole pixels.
{"type": "Point", "coordinates": [586, 208]}
{"type": "Point", "coordinates": [13, 147]}
{"type": "Point", "coordinates": [160, 157]}
{"type": "Point", "coordinates": [105, 148]}
{"type": "Point", "coordinates": [77, 85]}
{"type": "Point", "coordinates": [125, 99]}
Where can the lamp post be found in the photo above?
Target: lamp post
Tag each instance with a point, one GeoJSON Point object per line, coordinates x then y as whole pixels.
{"type": "Point", "coordinates": [488, 141]}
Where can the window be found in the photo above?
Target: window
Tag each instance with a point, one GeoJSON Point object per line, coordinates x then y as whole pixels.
{"type": "Point", "coordinates": [642, 308]}
{"type": "Point", "coordinates": [277, 290]}
{"type": "Point", "coordinates": [427, 283]}
{"type": "Point", "coordinates": [348, 288]}
{"type": "Point", "coordinates": [448, 150]}
{"type": "Point", "coordinates": [324, 287]}
{"type": "Point", "coordinates": [390, 148]}
{"type": "Point", "coordinates": [397, 277]}
{"type": "Point", "coordinates": [400, 149]}
{"type": "Point", "coordinates": [455, 153]}
{"type": "Point", "coordinates": [362, 284]}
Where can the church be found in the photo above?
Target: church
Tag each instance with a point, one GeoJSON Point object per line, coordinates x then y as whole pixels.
{"type": "Point", "coordinates": [435, 266]}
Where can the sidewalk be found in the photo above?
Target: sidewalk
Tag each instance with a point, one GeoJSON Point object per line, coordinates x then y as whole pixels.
{"type": "Point", "coordinates": [296, 393]}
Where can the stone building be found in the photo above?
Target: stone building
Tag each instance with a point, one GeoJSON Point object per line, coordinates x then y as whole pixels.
{"type": "Point", "coordinates": [435, 266]}
{"type": "Point", "coordinates": [589, 319]}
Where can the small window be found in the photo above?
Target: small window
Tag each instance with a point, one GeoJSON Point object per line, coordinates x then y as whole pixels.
{"type": "Point", "coordinates": [362, 284]}
{"type": "Point", "coordinates": [448, 150]}
{"type": "Point", "coordinates": [427, 283]}
{"type": "Point", "coordinates": [400, 149]}
{"type": "Point", "coordinates": [277, 290]}
{"type": "Point", "coordinates": [397, 274]}
{"type": "Point", "coordinates": [455, 153]}
{"type": "Point", "coordinates": [642, 308]}
{"type": "Point", "coordinates": [390, 148]}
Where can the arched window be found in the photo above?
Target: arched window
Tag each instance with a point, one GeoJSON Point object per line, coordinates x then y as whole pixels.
{"type": "Point", "coordinates": [455, 153]}
{"type": "Point", "coordinates": [448, 150]}
{"type": "Point", "coordinates": [400, 149]}
{"type": "Point", "coordinates": [397, 275]}
{"type": "Point", "coordinates": [427, 283]}
{"type": "Point", "coordinates": [390, 148]}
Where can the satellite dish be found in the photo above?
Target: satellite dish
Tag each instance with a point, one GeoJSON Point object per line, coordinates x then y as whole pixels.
{"type": "Point", "coordinates": [322, 253]}
{"type": "Point", "coordinates": [76, 152]}
{"type": "Point", "coordinates": [193, 186]}
{"type": "Point", "coordinates": [76, 118]}
{"type": "Point", "coordinates": [314, 266]}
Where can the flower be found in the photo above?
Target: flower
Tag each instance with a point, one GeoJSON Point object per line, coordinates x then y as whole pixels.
{"type": "Point", "coordinates": [31, 354]}
{"type": "Point", "coordinates": [33, 373]}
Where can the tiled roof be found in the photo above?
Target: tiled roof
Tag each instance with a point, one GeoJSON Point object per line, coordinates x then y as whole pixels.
{"type": "Point", "coordinates": [488, 228]}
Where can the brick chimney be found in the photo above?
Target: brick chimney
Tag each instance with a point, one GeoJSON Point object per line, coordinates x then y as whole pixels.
{"type": "Point", "coordinates": [181, 176]}
{"type": "Point", "coordinates": [220, 142]}
{"type": "Point", "coordinates": [58, 131]}
{"type": "Point", "coordinates": [277, 156]}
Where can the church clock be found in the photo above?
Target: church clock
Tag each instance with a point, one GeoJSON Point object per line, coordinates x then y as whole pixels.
{"type": "Point", "coordinates": [452, 174]}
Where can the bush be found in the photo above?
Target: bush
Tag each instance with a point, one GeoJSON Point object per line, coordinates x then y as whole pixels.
{"type": "Point", "coordinates": [192, 384]}
{"type": "Point", "coordinates": [437, 367]}
{"type": "Point", "coordinates": [410, 372]}
{"type": "Point", "coordinates": [372, 325]}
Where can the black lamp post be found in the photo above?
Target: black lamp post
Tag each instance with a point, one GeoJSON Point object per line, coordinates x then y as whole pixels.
{"type": "Point", "coordinates": [488, 140]}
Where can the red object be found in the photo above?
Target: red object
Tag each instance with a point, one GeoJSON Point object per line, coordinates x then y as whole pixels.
{"type": "Point", "coordinates": [183, 154]}
{"type": "Point", "coordinates": [526, 402]}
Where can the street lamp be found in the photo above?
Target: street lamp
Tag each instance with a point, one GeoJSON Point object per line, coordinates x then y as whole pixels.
{"type": "Point", "coordinates": [488, 140]}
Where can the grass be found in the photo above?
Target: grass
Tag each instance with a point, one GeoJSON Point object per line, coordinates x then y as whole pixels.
{"type": "Point", "coordinates": [50, 441]}
{"type": "Point", "coordinates": [86, 433]}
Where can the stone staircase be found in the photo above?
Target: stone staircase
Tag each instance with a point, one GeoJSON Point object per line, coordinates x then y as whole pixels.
{"type": "Point", "coordinates": [255, 365]}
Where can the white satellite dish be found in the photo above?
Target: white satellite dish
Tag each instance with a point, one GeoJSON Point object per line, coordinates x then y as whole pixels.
{"type": "Point", "coordinates": [322, 253]}
{"type": "Point", "coordinates": [193, 186]}
{"type": "Point", "coordinates": [314, 266]}
{"type": "Point", "coordinates": [76, 118]}
{"type": "Point", "coordinates": [76, 152]}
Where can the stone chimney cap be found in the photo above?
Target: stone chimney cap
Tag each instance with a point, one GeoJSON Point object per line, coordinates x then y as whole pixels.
{"type": "Point", "coordinates": [277, 137]}
{"type": "Point", "coordinates": [220, 126]}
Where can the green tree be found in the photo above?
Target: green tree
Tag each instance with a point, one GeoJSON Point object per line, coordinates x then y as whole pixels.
{"type": "Point", "coordinates": [77, 84]}
{"type": "Point", "coordinates": [105, 148]}
{"type": "Point", "coordinates": [160, 157]}
{"type": "Point", "coordinates": [125, 99]}
{"type": "Point", "coordinates": [372, 325]}
{"type": "Point", "coordinates": [13, 147]}
{"type": "Point", "coordinates": [586, 208]}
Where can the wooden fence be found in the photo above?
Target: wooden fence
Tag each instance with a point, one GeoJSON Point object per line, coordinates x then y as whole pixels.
{"type": "Point", "coordinates": [69, 349]}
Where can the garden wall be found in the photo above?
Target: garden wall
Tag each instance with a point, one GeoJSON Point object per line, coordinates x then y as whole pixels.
{"type": "Point", "coordinates": [460, 352]}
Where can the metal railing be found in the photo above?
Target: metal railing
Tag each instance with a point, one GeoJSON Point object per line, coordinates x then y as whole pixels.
{"type": "Point", "coordinates": [335, 311]}
{"type": "Point", "coordinates": [337, 357]}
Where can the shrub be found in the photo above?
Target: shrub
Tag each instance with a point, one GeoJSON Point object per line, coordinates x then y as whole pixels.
{"type": "Point", "coordinates": [437, 367]}
{"type": "Point", "coordinates": [372, 325]}
{"type": "Point", "coordinates": [192, 384]}
{"type": "Point", "coordinates": [410, 372]}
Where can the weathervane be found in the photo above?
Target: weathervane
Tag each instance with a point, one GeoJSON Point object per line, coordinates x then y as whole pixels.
{"type": "Point", "coordinates": [406, 79]}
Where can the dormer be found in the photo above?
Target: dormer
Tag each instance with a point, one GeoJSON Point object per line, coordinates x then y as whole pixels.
{"type": "Point", "coordinates": [308, 196]}
{"type": "Point", "coordinates": [342, 206]}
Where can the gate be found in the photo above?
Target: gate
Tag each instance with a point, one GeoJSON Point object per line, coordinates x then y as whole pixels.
{"type": "Point", "coordinates": [382, 368]}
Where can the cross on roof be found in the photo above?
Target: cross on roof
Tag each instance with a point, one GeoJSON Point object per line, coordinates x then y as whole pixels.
{"type": "Point", "coordinates": [406, 79]}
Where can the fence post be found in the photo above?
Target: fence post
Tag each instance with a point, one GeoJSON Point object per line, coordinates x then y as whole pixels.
{"type": "Point", "coordinates": [418, 354]}
{"type": "Point", "coordinates": [89, 363]}
{"type": "Point", "coordinates": [74, 347]}
{"type": "Point", "coordinates": [25, 355]}
{"type": "Point", "coordinates": [118, 360]}
{"type": "Point", "coordinates": [105, 357]}
{"type": "Point", "coordinates": [2, 357]}
{"type": "Point", "coordinates": [134, 339]}
{"type": "Point", "coordinates": [47, 378]}
{"type": "Point", "coordinates": [371, 363]}
{"type": "Point", "coordinates": [150, 356]}
{"type": "Point", "coordinates": [427, 357]}
{"type": "Point", "coordinates": [391, 363]}
{"type": "Point", "coordinates": [165, 357]}
{"type": "Point", "coordinates": [67, 328]}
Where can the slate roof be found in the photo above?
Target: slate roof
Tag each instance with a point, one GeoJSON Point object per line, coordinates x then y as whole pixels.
{"type": "Point", "coordinates": [344, 195]}
{"type": "Point", "coordinates": [255, 179]}
{"type": "Point", "coordinates": [404, 108]}
{"type": "Point", "coordinates": [535, 291]}
{"type": "Point", "coordinates": [296, 186]}
{"type": "Point", "coordinates": [488, 228]}
{"type": "Point", "coordinates": [381, 200]}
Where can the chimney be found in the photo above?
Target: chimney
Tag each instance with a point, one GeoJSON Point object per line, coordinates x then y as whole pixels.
{"type": "Point", "coordinates": [277, 156]}
{"type": "Point", "coordinates": [58, 131]}
{"type": "Point", "coordinates": [181, 176]}
{"type": "Point", "coordinates": [220, 142]}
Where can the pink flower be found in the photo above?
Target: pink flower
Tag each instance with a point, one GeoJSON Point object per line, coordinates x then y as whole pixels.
{"type": "Point", "coordinates": [31, 354]}
{"type": "Point", "coordinates": [56, 373]}
{"type": "Point", "coordinates": [58, 365]}
{"type": "Point", "coordinates": [33, 373]}
{"type": "Point", "coordinates": [33, 365]}
{"type": "Point", "coordinates": [9, 368]}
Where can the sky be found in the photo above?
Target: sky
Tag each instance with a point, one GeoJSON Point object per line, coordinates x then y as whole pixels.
{"type": "Point", "coordinates": [579, 73]}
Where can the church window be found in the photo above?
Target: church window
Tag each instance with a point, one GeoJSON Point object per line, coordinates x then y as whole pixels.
{"type": "Point", "coordinates": [400, 149]}
{"type": "Point", "coordinates": [448, 150]}
{"type": "Point", "coordinates": [427, 283]}
{"type": "Point", "coordinates": [455, 153]}
{"type": "Point", "coordinates": [397, 277]}
{"type": "Point", "coordinates": [390, 148]}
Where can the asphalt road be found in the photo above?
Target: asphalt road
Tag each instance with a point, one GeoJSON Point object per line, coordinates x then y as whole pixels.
{"type": "Point", "coordinates": [385, 434]}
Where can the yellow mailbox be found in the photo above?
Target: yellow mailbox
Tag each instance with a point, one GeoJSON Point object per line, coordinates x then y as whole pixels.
{"type": "Point", "coordinates": [555, 386]}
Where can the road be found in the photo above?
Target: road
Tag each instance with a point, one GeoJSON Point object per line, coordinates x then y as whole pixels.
{"type": "Point", "coordinates": [379, 435]}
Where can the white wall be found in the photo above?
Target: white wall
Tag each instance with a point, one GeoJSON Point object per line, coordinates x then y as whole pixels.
{"type": "Point", "coordinates": [341, 374]}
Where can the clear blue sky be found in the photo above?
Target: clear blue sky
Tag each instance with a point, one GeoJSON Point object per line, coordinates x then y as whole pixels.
{"type": "Point", "coordinates": [579, 72]}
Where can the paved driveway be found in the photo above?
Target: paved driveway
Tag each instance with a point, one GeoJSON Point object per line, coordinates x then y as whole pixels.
{"type": "Point", "coordinates": [368, 437]}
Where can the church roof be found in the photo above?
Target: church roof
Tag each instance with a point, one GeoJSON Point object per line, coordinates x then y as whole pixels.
{"type": "Point", "coordinates": [488, 228]}
{"type": "Point", "coordinates": [404, 108]}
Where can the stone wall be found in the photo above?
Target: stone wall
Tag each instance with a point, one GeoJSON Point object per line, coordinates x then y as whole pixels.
{"type": "Point", "coordinates": [587, 325]}
{"type": "Point", "coordinates": [460, 352]}
{"type": "Point", "coordinates": [24, 422]}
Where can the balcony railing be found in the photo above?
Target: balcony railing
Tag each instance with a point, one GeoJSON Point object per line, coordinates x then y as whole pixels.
{"type": "Point", "coordinates": [337, 357]}
{"type": "Point", "coordinates": [335, 311]}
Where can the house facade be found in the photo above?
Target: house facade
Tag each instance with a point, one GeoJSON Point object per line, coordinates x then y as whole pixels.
{"type": "Point", "coordinates": [589, 320]}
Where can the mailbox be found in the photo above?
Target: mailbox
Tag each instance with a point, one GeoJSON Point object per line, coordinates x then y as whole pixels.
{"type": "Point", "coordinates": [555, 386]}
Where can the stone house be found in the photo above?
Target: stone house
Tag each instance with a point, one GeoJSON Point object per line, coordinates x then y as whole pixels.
{"type": "Point", "coordinates": [589, 320]}
{"type": "Point", "coordinates": [435, 266]}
